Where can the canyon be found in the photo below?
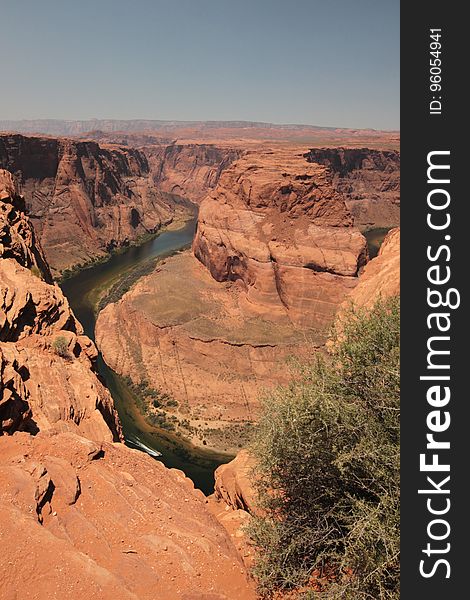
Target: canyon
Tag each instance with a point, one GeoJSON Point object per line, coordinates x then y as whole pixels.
{"type": "Point", "coordinates": [274, 256]}
{"type": "Point", "coordinates": [82, 515]}
{"type": "Point", "coordinates": [91, 196]}
{"type": "Point", "coordinates": [278, 251]}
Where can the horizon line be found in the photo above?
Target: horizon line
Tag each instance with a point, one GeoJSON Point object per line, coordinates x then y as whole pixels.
{"type": "Point", "coordinates": [197, 121]}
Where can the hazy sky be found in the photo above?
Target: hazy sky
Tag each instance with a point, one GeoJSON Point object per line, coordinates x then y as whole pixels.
{"type": "Point", "coordinates": [321, 62]}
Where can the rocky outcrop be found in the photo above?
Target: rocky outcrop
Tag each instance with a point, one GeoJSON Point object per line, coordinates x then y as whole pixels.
{"type": "Point", "coordinates": [368, 180]}
{"type": "Point", "coordinates": [47, 377]}
{"type": "Point", "coordinates": [381, 276]}
{"type": "Point", "coordinates": [234, 483]}
{"type": "Point", "coordinates": [85, 199]}
{"type": "Point", "coordinates": [85, 520]}
{"type": "Point", "coordinates": [276, 225]}
{"type": "Point", "coordinates": [17, 236]}
{"type": "Point", "coordinates": [235, 500]}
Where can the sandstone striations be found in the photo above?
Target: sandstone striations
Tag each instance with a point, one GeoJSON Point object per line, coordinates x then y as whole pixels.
{"type": "Point", "coordinates": [46, 375]}
{"type": "Point", "coordinates": [277, 254]}
{"type": "Point", "coordinates": [369, 181]}
{"type": "Point", "coordinates": [81, 516]}
{"type": "Point", "coordinates": [276, 225]}
{"type": "Point", "coordinates": [85, 199]}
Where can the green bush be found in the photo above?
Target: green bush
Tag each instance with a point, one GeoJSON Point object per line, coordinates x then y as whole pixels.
{"type": "Point", "coordinates": [327, 449]}
{"type": "Point", "coordinates": [61, 347]}
{"type": "Point", "coordinates": [36, 272]}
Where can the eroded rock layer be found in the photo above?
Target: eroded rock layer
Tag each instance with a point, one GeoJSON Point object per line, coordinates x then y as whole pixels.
{"type": "Point", "coordinates": [368, 180]}
{"type": "Point", "coordinates": [47, 377]}
{"type": "Point", "coordinates": [189, 170]}
{"type": "Point", "coordinates": [84, 199]}
{"type": "Point", "coordinates": [276, 224]}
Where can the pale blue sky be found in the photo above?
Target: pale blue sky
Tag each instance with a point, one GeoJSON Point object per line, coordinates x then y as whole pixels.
{"type": "Point", "coordinates": [320, 62]}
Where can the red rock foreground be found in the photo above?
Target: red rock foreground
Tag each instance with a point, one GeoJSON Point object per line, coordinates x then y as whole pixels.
{"type": "Point", "coordinates": [83, 519]}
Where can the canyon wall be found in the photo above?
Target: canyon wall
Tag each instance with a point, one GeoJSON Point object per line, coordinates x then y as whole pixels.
{"type": "Point", "coordinates": [189, 170]}
{"type": "Point", "coordinates": [82, 515]}
{"type": "Point", "coordinates": [84, 199]}
{"type": "Point", "coordinates": [277, 225]}
{"type": "Point", "coordinates": [368, 180]}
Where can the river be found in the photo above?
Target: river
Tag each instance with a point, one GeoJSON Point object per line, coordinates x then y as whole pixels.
{"type": "Point", "coordinates": [374, 238]}
{"type": "Point", "coordinates": [83, 291]}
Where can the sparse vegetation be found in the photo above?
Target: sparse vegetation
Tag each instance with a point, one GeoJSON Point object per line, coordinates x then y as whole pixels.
{"type": "Point", "coordinates": [61, 347]}
{"type": "Point", "coordinates": [153, 403]}
{"type": "Point", "coordinates": [36, 272]}
{"type": "Point", "coordinates": [327, 448]}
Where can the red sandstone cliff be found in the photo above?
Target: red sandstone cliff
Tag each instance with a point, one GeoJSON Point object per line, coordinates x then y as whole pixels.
{"type": "Point", "coordinates": [276, 224]}
{"type": "Point", "coordinates": [368, 180]}
{"type": "Point", "coordinates": [189, 170]}
{"type": "Point", "coordinates": [46, 375]}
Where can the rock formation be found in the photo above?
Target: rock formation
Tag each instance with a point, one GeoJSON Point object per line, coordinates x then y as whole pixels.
{"type": "Point", "coordinates": [46, 375]}
{"type": "Point", "coordinates": [368, 180]}
{"type": "Point", "coordinates": [84, 199]}
{"type": "Point", "coordinates": [277, 255]}
{"type": "Point", "coordinates": [276, 224]}
{"type": "Point", "coordinates": [234, 483]}
{"type": "Point", "coordinates": [189, 170]}
{"type": "Point", "coordinates": [81, 516]}
{"type": "Point", "coordinates": [85, 520]}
